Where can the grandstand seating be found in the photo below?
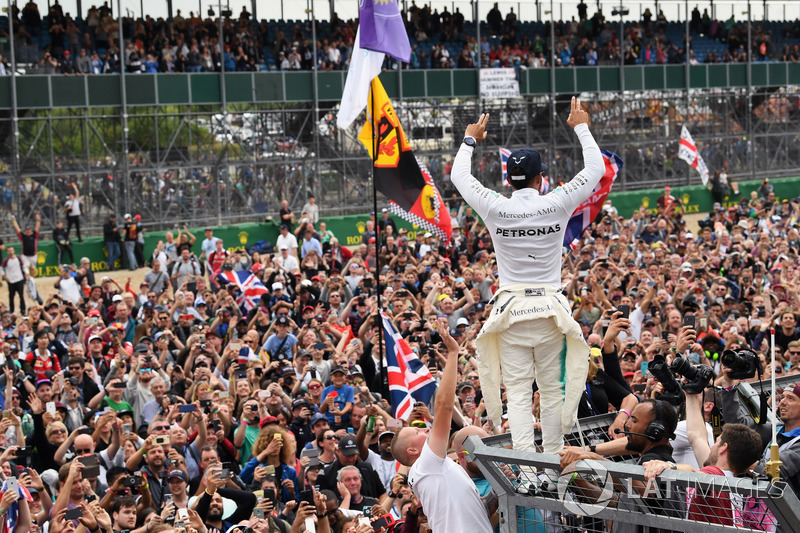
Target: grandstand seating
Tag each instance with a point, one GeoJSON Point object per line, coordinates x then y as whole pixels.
{"type": "Point", "coordinates": [674, 32]}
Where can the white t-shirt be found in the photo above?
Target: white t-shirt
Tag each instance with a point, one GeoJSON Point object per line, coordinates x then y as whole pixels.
{"type": "Point", "coordinates": [70, 290]}
{"type": "Point", "coordinates": [74, 207]}
{"type": "Point", "coordinates": [682, 452]}
{"type": "Point", "coordinates": [447, 494]}
{"type": "Point", "coordinates": [290, 241]}
{"type": "Point", "coordinates": [385, 469]}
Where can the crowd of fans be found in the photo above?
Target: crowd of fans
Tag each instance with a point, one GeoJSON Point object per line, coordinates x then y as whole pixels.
{"type": "Point", "coordinates": [181, 403]}
{"type": "Point", "coordinates": [90, 44]}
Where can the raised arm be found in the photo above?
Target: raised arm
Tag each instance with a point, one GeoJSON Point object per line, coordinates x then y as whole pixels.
{"type": "Point", "coordinates": [446, 395]}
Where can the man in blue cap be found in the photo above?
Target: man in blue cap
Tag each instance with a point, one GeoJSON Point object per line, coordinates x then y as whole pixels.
{"type": "Point", "coordinates": [531, 327]}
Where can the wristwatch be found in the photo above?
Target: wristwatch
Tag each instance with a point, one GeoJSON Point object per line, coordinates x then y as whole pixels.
{"type": "Point", "coordinates": [470, 141]}
{"type": "Point", "coordinates": [672, 466]}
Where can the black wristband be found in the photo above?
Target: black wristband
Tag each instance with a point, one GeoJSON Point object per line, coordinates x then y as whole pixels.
{"type": "Point", "coordinates": [391, 494]}
{"type": "Point", "coordinates": [593, 448]}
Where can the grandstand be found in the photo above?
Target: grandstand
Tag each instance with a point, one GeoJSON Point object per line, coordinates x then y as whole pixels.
{"type": "Point", "coordinates": [209, 147]}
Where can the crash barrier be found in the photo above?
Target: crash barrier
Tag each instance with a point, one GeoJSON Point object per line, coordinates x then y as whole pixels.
{"type": "Point", "coordinates": [536, 495]}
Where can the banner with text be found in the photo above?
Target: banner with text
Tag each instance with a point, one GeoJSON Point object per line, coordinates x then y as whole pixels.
{"type": "Point", "coordinates": [499, 83]}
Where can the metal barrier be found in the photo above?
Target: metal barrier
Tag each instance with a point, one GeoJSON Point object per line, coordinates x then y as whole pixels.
{"type": "Point", "coordinates": [561, 500]}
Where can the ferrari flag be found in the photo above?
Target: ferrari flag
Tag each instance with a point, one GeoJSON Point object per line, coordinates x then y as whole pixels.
{"type": "Point", "coordinates": [399, 175]}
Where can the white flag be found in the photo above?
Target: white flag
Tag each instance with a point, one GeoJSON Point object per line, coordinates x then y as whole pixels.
{"type": "Point", "coordinates": [364, 65]}
{"type": "Point", "coordinates": [687, 151]}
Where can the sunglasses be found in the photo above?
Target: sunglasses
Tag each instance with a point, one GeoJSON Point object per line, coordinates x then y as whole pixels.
{"type": "Point", "coordinates": [331, 437]}
{"type": "Point", "coordinates": [314, 387]}
{"type": "Point", "coordinates": [74, 368]}
{"type": "Point", "coordinates": [473, 377]}
{"type": "Point", "coordinates": [794, 352]}
{"type": "Point", "coordinates": [82, 451]}
{"type": "Point", "coordinates": [161, 428]}
{"type": "Point", "coordinates": [58, 431]}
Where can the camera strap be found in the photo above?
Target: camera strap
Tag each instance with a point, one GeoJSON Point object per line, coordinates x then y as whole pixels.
{"type": "Point", "coordinates": [762, 398]}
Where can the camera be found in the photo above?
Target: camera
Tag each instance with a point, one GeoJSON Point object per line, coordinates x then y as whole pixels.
{"type": "Point", "coordinates": [697, 376]}
{"type": "Point", "coordinates": [131, 481]}
{"type": "Point", "coordinates": [672, 391]}
{"type": "Point", "coordinates": [743, 363]}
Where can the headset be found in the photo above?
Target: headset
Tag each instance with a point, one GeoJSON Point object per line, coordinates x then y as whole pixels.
{"type": "Point", "coordinates": [713, 356]}
{"type": "Point", "coordinates": [656, 430]}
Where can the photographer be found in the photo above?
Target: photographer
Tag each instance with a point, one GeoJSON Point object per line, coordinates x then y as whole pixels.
{"type": "Point", "coordinates": [788, 434]}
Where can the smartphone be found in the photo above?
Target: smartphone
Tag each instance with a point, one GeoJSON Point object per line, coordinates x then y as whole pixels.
{"type": "Point", "coordinates": [258, 512]}
{"type": "Point", "coordinates": [665, 336]}
{"type": "Point", "coordinates": [264, 394]}
{"type": "Point", "coordinates": [382, 522]}
{"type": "Point", "coordinates": [393, 424]}
{"type": "Point", "coordinates": [236, 346]}
{"type": "Point", "coordinates": [183, 515]}
{"type": "Point", "coordinates": [639, 388]}
{"type": "Point", "coordinates": [225, 473]}
{"type": "Point", "coordinates": [704, 323]}
{"type": "Point", "coordinates": [187, 408]}
{"type": "Point", "coordinates": [364, 521]}
{"type": "Point", "coordinates": [688, 320]}
{"type": "Point", "coordinates": [470, 399]}
{"type": "Point", "coordinates": [205, 403]}
{"type": "Point", "coordinates": [351, 431]}
{"type": "Point", "coordinates": [224, 394]}
{"type": "Point", "coordinates": [625, 310]}
{"type": "Point", "coordinates": [269, 470]}
{"type": "Point", "coordinates": [73, 514]}
{"type": "Point", "coordinates": [51, 408]}
{"type": "Point", "coordinates": [90, 498]}
{"type": "Point", "coordinates": [120, 385]}
{"type": "Point", "coordinates": [269, 494]}
{"type": "Point", "coordinates": [12, 484]}
{"type": "Point", "coordinates": [91, 466]}
{"type": "Point", "coordinates": [161, 440]}
{"type": "Point", "coordinates": [645, 368]}
{"type": "Point", "coordinates": [762, 311]}
{"type": "Point", "coordinates": [307, 496]}
{"type": "Point", "coordinates": [6, 414]}
{"type": "Point", "coordinates": [126, 428]}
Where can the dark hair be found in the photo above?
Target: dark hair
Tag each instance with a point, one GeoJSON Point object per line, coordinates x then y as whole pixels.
{"type": "Point", "coordinates": [744, 446]}
{"type": "Point", "coordinates": [519, 183]}
{"type": "Point", "coordinates": [113, 473]}
{"type": "Point", "coordinates": [125, 501]}
{"type": "Point", "coordinates": [667, 416]}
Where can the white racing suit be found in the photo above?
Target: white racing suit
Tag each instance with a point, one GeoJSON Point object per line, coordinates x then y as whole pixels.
{"type": "Point", "coordinates": [530, 324]}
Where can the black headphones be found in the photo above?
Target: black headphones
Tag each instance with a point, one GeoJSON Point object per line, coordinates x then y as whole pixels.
{"type": "Point", "coordinates": [656, 430]}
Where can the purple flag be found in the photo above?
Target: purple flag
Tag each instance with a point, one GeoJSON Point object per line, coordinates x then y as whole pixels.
{"type": "Point", "coordinates": [382, 29]}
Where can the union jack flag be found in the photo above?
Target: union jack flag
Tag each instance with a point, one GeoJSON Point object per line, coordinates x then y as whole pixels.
{"type": "Point", "coordinates": [409, 379]}
{"type": "Point", "coordinates": [250, 287]}
{"type": "Point", "coordinates": [505, 153]}
{"type": "Point", "coordinates": [12, 517]}
{"type": "Point", "coordinates": [589, 208]}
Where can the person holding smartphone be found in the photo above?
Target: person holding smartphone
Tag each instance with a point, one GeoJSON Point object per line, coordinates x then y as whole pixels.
{"type": "Point", "coordinates": [534, 328]}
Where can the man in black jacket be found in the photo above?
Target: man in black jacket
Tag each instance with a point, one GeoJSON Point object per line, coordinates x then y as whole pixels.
{"type": "Point", "coordinates": [347, 455]}
{"type": "Point", "coordinates": [111, 240]}
{"type": "Point", "coordinates": [61, 238]}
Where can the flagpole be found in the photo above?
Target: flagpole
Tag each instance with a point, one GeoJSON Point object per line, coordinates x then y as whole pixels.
{"type": "Point", "coordinates": [384, 386]}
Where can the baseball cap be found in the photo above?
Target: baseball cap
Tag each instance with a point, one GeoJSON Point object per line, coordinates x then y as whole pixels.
{"type": "Point", "coordinates": [338, 369]}
{"type": "Point", "coordinates": [282, 321]}
{"type": "Point", "coordinates": [317, 418]}
{"type": "Point", "coordinates": [463, 385]}
{"type": "Point", "coordinates": [348, 445]}
{"type": "Point", "coordinates": [299, 402]}
{"type": "Point", "coordinates": [180, 474]}
{"type": "Point", "coordinates": [43, 382]}
{"type": "Point", "coordinates": [686, 267]}
{"type": "Point", "coordinates": [93, 312]}
{"type": "Point", "coordinates": [116, 298]}
{"type": "Point", "coordinates": [277, 285]}
{"type": "Point", "coordinates": [284, 226]}
{"type": "Point", "coordinates": [148, 305]}
{"type": "Point", "coordinates": [528, 160]}
{"type": "Point", "coordinates": [141, 348]}
{"type": "Point", "coordinates": [96, 337]}
{"type": "Point", "coordinates": [288, 370]}
{"type": "Point", "coordinates": [462, 322]}
{"type": "Point", "coordinates": [385, 434]}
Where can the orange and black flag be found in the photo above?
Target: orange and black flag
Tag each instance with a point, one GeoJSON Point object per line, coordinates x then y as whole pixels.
{"type": "Point", "coordinates": [398, 174]}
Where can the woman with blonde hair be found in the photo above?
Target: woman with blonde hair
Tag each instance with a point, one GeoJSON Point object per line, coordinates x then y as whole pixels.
{"type": "Point", "coordinates": [273, 447]}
